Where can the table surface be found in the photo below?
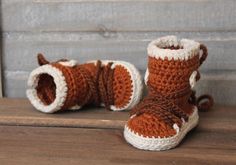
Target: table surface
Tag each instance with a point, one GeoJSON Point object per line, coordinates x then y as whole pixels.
{"type": "Point", "coordinates": [95, 136]}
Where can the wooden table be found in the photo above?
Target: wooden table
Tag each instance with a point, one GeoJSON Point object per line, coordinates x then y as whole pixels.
{"type": "Point", "coordinates": [95, 136]}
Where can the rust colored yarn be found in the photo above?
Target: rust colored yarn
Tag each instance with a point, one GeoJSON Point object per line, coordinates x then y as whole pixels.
{"type": "Point", "coordinates": [169, 76]}
{"type": "Point", "coordinates": [101, 87]}
{"type": "Point", "coordinates": [122, 86]}
{"type": "Point", "coordinates": [170, 98]}
{"type": "Point", "coordinates": [46, 89]}
{"type": "Point", "coordinates": [87, 84]}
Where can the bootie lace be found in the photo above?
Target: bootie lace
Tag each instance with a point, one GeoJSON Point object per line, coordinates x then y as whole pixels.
{"type": "Point", "coordinates": [101, 87]}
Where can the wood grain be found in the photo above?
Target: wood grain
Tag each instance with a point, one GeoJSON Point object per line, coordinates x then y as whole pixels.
{"type": "Point", "coordinates": [20, 48]}
{"type": "Point", "coordinates": [27, 145]}
{"type": "Point", "coordinates": [25, 114]}
{"type": "Point", "coordinates": [113, 15]}
{"type": "Point", "coordinates": [20, 112]}
{"type": "Point", "coordinates": [95, 136]}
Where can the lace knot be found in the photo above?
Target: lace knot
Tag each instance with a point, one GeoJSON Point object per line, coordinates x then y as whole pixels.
{"type": "Point", "coordinates": [203, 102]}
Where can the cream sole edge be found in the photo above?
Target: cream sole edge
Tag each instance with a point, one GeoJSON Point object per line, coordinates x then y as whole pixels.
{"type": "Point", "coordinates": [159, 144]}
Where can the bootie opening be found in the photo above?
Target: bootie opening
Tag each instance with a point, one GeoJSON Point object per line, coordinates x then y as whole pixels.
{"type": "Point", "coordinates": [171, 47]}
{"type": "Point", "coordinates": [47, 89]}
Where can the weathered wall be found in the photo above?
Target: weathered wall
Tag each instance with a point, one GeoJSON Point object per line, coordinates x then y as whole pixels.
{"type": "Point", "coordinates": [113, 29]}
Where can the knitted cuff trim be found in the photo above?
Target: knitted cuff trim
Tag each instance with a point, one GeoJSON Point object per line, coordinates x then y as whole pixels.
{"type": "Point", "coordinates": [61, 88]}
{"type": "Point", "coordinates": [161, 48]}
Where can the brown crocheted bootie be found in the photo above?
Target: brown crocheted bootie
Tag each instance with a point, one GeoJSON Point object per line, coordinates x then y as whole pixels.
{"type": "Point", "coordinates": [64, 84]}
{"type": "Point", "coordinates": [170, 110]}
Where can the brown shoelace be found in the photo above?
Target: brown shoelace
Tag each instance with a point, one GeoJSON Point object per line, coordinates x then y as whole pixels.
{"type": "Point", "coordinates": [163, 107]}
{"type": "Point", "coordinates": [203, 102]}
{"type": "Point", "coordinates": [100, 88]}
{"type": "Point", "coordinates": [166, 109]}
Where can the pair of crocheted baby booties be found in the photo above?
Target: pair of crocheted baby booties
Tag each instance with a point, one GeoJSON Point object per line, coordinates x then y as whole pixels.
{"type": "Point", "coordinates": [160, 121]}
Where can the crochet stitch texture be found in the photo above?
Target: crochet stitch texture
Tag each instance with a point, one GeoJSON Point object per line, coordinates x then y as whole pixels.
{"type": "Point", "coordinates": [170, 109]}
{"type": "Point", "coordinates": [64, 84]}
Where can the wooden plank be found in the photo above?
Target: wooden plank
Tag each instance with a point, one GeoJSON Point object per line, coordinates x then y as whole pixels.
{"type": "Point", "coordinates": [129, 47]}
{"type": "Point", "coordinates": [114, 15]}
{"type": "Point", "coordinates": [20, 112]}
{"type": "Point", "coordinates": [30, 145]}
{"type": "Point", "coordinates": [25, 114]}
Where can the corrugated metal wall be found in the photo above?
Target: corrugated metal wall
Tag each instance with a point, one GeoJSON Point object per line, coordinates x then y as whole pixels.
{"type": "Point", "coordinates": [113, 29]}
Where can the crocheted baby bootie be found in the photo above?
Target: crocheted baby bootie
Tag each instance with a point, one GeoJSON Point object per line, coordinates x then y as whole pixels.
{"type": "Point", "coordinates": [170, 110]}
{"type": "Point", "coordinates": [65, 85]}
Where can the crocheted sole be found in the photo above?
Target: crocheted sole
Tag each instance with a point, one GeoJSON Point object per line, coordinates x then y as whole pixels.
{"type": "Point", "coordinates": [137, 84]}
{"type": "Point", "coordinates": [158, 144]}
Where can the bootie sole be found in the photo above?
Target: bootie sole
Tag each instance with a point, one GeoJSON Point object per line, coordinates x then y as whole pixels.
{"type": "Point", "coordinates": [159, 144]}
